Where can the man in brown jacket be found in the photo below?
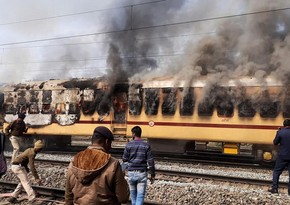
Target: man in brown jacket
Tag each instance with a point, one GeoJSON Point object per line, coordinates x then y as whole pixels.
{"type": "Point", "coordinates": [20, 168]}
{"type": "Point", "coordinates": [94, 176]}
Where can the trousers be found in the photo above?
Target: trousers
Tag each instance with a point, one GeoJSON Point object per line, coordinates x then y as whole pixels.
{"type": "Point", "coordinates": [137, 184]}
{"type": "Point", "coordinates": [21, 174]}
{"type": "Point", "coordinates": [280, 165]}
{"type": "Point", "coordinates": [16, 146]}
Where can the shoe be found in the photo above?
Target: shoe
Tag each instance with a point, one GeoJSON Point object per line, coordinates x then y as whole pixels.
{"type": "Point", "coordinates": [273, 191]}
{"type": "Point", "coordinates": [12, 200]}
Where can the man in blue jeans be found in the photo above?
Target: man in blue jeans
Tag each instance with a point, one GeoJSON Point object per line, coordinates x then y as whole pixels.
{"type": "Point", "coordinates": [138, 155]}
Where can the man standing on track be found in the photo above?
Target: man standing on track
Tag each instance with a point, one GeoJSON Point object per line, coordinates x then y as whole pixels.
{"type": "Point", "coordinates": [94, 177]}
{"type": "Point", "coordinates": [138, 154]}
{"type": "Point", "coordinates": [16, 128]}
{"type": "Point", "coordinates": [283, 140]}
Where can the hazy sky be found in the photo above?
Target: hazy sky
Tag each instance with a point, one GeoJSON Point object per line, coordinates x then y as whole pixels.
{"type": "Point", "coordinates": [63, 39]}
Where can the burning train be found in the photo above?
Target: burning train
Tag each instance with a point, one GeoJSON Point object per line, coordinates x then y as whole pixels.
{"type": "Point", "coordinates": [237, 117]}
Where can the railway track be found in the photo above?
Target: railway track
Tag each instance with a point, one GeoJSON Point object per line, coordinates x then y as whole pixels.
{"type": "Point", "coordinates": [52, 195]}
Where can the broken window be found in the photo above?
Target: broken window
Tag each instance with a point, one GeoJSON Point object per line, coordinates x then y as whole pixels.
{"type": "Point", "coordinates": [73, 108]}
{"type": "Point", "coordinates": [187, 103]}
{"type": "Point", "coordinates": [103, 102]}
{"type": "Point", "coordinates": [225, 109]}
{"type": "Point", "coordinates": [205, 108]}
{"type": "Point", "coordinates": [46, 96]}
{"type": "Point", "coordinates": [169, 101]}
{"type": "Point", "coordinates": [151, 101]}
{"type": "Point", "coordinates": [10, 109]}
{"type": "Point", "coordinates": [269, 109]}
{"type": "Point", "coordinates": [1, 99]}
{"type": "Point", "coordinates": [60, 108]}
{"type": "Point", "coordinates": [135, 99]}
{"type": "Point", "coordinates": [286, 105]}
{"type": "Point", "coordinates": [246, 109]}
{"type": "Point", "coordinates": [87, 102]}
{"type": "Point", "coordinates": [46, 109]}
{"type": "Point", "coordinates": [33, 108]}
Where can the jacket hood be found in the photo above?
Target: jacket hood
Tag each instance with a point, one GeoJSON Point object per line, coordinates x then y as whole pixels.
{"type": "Point", "coordinates": [88, 164]}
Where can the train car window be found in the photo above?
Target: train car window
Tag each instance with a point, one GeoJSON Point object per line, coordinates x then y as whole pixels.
{"type": "Point", "coordinates": [151, 101]}
{"type": "Point", "coordinates": [246, 109]}
{"type": "Point", "coordinates": [103, 102]}
{"type": "Point", "coordinates": [87, 102]}
{"type": "Point", "coordinates": [269, 109]}
{"type": "Point", "coordinates": [73, 108]}
{"type": "Point", "coordinates": [169, 101]}
{"type": "Point", "coordinates": [225, 109]}
{"type": "Point", "coordinates": [205, 108]}
{"type": "Point", "coordinates": [21, 108]}
{"type": "Point", "coordinates": [46, 96]}
{"type": "Point", "coordinates": [187, 103]}
{"type": "Point", "coordinates": [286, 110]}
{"type": "Point", "coordinates": [135, 107]}
{"type": "Point", "coordinates": [33, 108]}
{"type": "Point", "coordinates": [1, 99]}
{"type": "Point", "coordinates": [60, 108]}
{"type": "Point", "coordinates": [46, 109]}
{"type": "Point", "coordinates": [10, 109]}
{"type": "Point", "coordinates": [135, 100]}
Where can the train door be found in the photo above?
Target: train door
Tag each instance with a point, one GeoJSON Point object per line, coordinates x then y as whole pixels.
{"type": "Point", "coordinates": [120, 107]}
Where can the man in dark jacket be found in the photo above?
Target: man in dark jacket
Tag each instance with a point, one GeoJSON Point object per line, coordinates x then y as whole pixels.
{"type": "Point", "coordinates": [138, 155]}
{"type": "Point", "coordinates": [94, 176]}
{"type": "Point", "coordinates": [16, 129]}
{"type": "Point", "coordinates": [283, 140]}
{"type": "Point", "coordinates": [21, 165]}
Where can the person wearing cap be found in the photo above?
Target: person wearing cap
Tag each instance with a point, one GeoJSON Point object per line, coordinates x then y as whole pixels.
{"type": "Point", "coordinates": [282, 139]}
{"type": "Point", "coordinates": [16, 129]}
{"type": "Point", "coordinates": [94, 176]}
{"type": "Point", "coordinates": [21, 165]}
{"type": "Point", "coordinates": [138, 155]}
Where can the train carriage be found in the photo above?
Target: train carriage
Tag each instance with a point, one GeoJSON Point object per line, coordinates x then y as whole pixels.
{"type": "Point", "coordinates": [236, 117]}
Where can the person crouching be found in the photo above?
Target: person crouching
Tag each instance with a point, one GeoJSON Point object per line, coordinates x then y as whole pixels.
{"type": "Point", "coordinates": [20, 168]}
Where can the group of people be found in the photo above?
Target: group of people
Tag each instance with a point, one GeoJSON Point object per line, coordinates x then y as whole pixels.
{"type": "Point", "coordinates": [22, 164]}
{"type": "Point", "coordinates": [95, 177]}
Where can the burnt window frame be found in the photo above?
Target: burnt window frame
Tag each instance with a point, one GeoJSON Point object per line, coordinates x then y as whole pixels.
{"type": "Point", "coordinates": [156, 100]}
{"type": "Point", "coordinates": [166, 107]}
{"type": "Point", "coordinates": [249, 109]}
{"type": "Point", "coordinates": [205, 114]}
{"type": "Point", "coordinates": [270, 115]}
{"type": "Point", "coordinates": [189, 111]}
{"type": "Point", "coordinates": [135, 106]}
{"type": "Point", "coordinates": [223, 112]}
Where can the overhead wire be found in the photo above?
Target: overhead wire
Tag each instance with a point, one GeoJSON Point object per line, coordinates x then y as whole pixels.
{"type": "Point", "coordinates": [145, 27]}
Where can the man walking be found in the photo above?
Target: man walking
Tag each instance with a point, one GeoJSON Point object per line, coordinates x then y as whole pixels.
{"type": "Point", "coordinates": [283, 140]}
{"type": "Point", "coordinates": [94, 176]}
{"type": "Point", "coordinates": [20, 168]}
{"type": "Point", "coordinates": [16, 128]}
{"type": "Point", "coordinates": [138, 154]}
